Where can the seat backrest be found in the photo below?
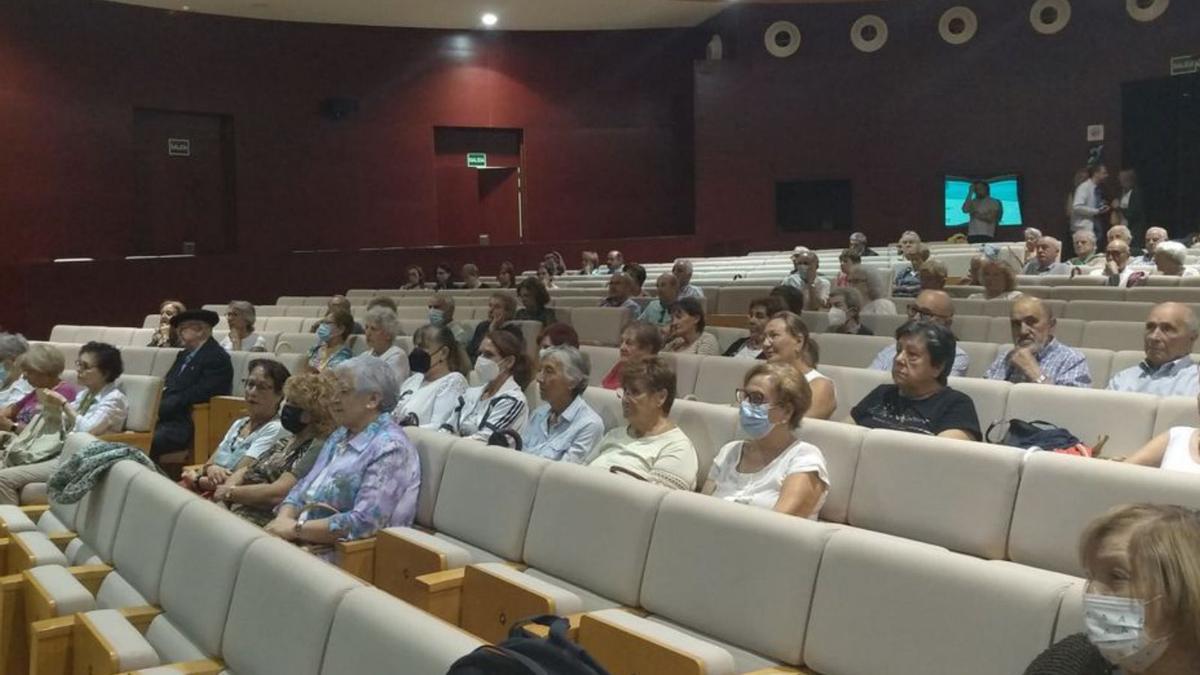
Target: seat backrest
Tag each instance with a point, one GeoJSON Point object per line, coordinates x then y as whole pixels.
{"type": "Point", "coordinates": [687, 369]}
{"type": "Point", "coordinates": [990, 397]}
{"type": "Point", "coordinates": [1099, 365]}
{"type": "Point", "coordinates": [1077, 292]}
{"type": "Point", "coordinates": [99, 512]}
{"type": "Point", "coordinates": [600, 325]}
{"type": "Point", "coordinates": [719, 378]}
{"type": "Point", "coordinates": [853, 385]}
{"type": "Point", "coordinates": [486, 496]}
{"type": "Point", "coordinates": [601, 360]}
{"type": "Point", "coordinates": [956, 494]}
{"type": "Point", "coordinates": [164, 358]}
{"type": "Point", "coordinates": [281, 324]}
{"type": "Point", "coordinates": [607, 406]}
{"type": "Point", "coordinates": [737, 299]}
{"type": "Point", "coordinates": [1098, 310]}
{"type": "Point", "coordinates": [851, 351]}
{"type": "Point", "coordinates": [1174, 411]}
{"type": "Point", "coordinates": [840, 444]}
{"type": "Point", "coordinates": [1154, 295]}
{"type": "Point", "coordinates": [138, 360]}
{"type": "Point", "coordinates": [294, 593]}
{"type": "Point", "coordinates": [303, 311]}
{"type": "Point", "coordinates": [726, 336]}
{"type": "Point", "coordinates": [317, 300]}
{"type": "Point", "coordinates": [697, 572]}
{"type": "Point", "coordinates": [142, 393]}
{"type": "Point", "coordinates": [975, 616]}
{"type": "Point", "coordinates": [1127, 418]}
{"type": "Point", "coordinates": [1060, 495]}
{"type": "Point", "coordinates": [1114, 335]}
{"type": "Point", "coordinates": [432, 448]}
{"type": "Point", "coordinates": [981, 355]}
{"type": "Point", "coordinates": [296, 343]}
{"type": "Point", "coordinates": [86, 334]}
{"type": "Point", "coordinates": [971, 328]}
{"type": "Point", "coordinates": [709, 427]}
{"type": "Point", "coordinates": [207, 548]}
{"type": "Point", "coordinates": [593, 529]}
{"type": "Point", "coordinates": [143, 538]}
{"type": "Point", "coordinates": [374, 632]}
{"type": "Point", "coordinates": [117, 337]}
{"type": "Point", "coordinates": [884, 325]}
{"type": "Point", "coordinates": [151, 321]}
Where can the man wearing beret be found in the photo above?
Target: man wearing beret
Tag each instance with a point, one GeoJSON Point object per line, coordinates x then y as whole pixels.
{"type": "Point", "coordinates": [201, 371]}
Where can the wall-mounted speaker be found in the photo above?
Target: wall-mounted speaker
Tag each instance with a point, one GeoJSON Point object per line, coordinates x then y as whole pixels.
{"type": "Point", "coordinates": [958, 25]}
{"type": "Point", "coordinates": [338, 108]}
{"type": "Point", "coordinates": [1050, 16]}
{"type": "Point", "coordinates": [1146, 10]}
{"type": "Point", "coordinates": [869, 33]}
{"type": "Point", "coordinates": [782, 39]}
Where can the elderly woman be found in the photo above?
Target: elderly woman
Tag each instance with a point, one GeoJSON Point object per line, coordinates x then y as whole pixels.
{"type": "Point", "coordinates": [908, 278]}
{"type": "Point", "coordinates": [502, 311]}
{"type": "Point", "coordinates": [506, 276]}
{"type": "Point", "coordinates": [242, 338]}
{"type": "Point", "coordinates": [98, 408]}
{"type": "Point", "coordinates": [498, 404]}
{"type": "Point", "coordinates": [760, 312]}
{"type": "Point", "coordinates": [651, 447]}
{"type": "Point", "coordinates": [999, 282]}
{"type": "Point", "coordinates": [414, 278]}
{"type": "Point", "coordinates": [429, 397]}
{"type": "Point", "coordinates": [367, 475]}
{"type": "Point", "coordinates": [787, 342]}
{"type": "Point", "coordinates": [256, 489]}
{"type": "Point", "coordinates": [165, 336]}
{"type": "Point", "coordinates": [920, 401]}
{"type": "Point", "coordinates": [557, 335]}
{"type": "Point", "coordinates": [621, 291]}
{"type": "Point", "coordinates": [845, 312]}
{"type": "Point", "coordinates": [1032, 235]}
{"type": "Point", "coordinates": [333, 341]}
{"type": "Point", "coordinates": [848, 258]}
{"type": "Point", "coordinates": [639, 340]}
{"type": "Point", "coordinates": [1141, 605]}
{"type": "Point", "coordinates": [534, 300]}
{"type": "Point", "coordinates": [42, 367]}
{"type": "Point", "coordinates": [382, 327]}
{"type": "Point", "coordinates": [1170, 258]}
{"type": "Point", "coordinates": [771, 470]}
{"type": "Point", "coordinates": [933, 275]}
{"type": "Point", "coordinates": [564, 427]}
{"type": "Point", "coordinates": [869, 282]}
{"type": "Point", "coordinates": [250, 437]}
{"type": "Point", "coordinates": [686, 333]}
{"type": "Point", "coordinates": [13, 385]}
{"type": "Point", "coordinates": [589, 262]}
{"type": "Point", "coordinates": [443, 277]}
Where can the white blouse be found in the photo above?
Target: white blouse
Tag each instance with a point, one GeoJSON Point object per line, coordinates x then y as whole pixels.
{"type": "Point", "coordinates": [251, 343]}
{"type": "Point", "coordinates": [880, 306]}
{"type": "Point", "coordinates": [763, 487]}
{"type": "Point", "coordinates": [432, 403]}
{"type": "Point", "coordinates": [105, 414]}
{"type": "Point", "coordinates": [1178, 455]}
{"type": "Point", "coordinates": [398, 360]}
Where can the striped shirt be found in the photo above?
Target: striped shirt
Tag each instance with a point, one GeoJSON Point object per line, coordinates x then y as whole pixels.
{"type": "Point", "coordinates": [1060, 364]}
{"type": "Point", "coordinates": [478, 417]}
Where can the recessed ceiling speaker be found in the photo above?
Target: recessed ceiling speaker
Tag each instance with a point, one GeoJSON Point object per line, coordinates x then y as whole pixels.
{"type": "Point", "coordinates": [782, 39]}
{"type": "Point", "coordinates": [1050, 16]}
{"type": "Point", "coordinates": [869, 33]}
{"type": "Point", "coordinates": [958, 25]}
{"type": "Point", "coordinates": [1146, 10]}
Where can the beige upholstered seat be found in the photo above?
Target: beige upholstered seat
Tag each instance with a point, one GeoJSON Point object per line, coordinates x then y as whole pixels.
{"type": "Point", "coordinates": [1113, 335]}
{"type": "Point", "coordinates": [853, 384]}
{"type": "Point", "coordinates": [719, 377]}
{"type": "Point", "coordinates": [600, 325]}
{"type": "Point", "coordinates": [1087, 413]}
{"type": "Point", "coordinates": [1175, 411]}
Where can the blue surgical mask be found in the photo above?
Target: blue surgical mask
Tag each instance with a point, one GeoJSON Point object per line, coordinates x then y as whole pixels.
{"type": "Point", "coordinates": [437, 318]}
{"type": "Point", "coordinates": [753, 419]}
{"type": "Point", "coordinates": [1117, 627]}
{"type": "Point", "coordinates": [324, 332]}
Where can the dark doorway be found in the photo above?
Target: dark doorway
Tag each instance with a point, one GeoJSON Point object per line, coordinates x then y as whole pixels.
{"type": "Point", "coordinates": [185, 199]}
{"type": "Point", "coordinates": [479, 185]}
{"type": "Point", "coordinates": [813, 205]}
{"type": "Point", "coordinates": [1161, 141]}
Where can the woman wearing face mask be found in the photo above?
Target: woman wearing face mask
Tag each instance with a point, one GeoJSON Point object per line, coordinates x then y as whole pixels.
{"type": "Point", "coordinates": [687, 334]}
{"type": "Point", "coordinates": [845, 312]}
{"type": "Point", "coordinates": [441, 313]}
{"type": "Point", "coordinates": [1141, 606]}
{"type": "Point", "coordinates": [429, 397]}
{"type": "Point", "coordinates": [788, 342]}
{"type": "Point", "coordinates": [498, 403]}
{"type": "Point", "coordinates": [254, 490]}
{"type": "Point", "coordinates": [333, 336]}
{"type": "Point", "coordinates": [772, 470]}
{"type": "Point", "coordinates": [639, 340]}
{"type": "Point", "coordinates": [761, 311]}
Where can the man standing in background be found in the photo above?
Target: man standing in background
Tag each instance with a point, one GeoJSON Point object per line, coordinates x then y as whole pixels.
{"type": "Point", "coordinates": [985, 213]}
{"type": "Point", "coordinates": [1089, 206]}
{"type": "Point", "coordinates": [1130, 206]}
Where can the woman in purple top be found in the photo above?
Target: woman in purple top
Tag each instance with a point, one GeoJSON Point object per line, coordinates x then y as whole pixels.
{"type": "Point", "coordinates": [43, 366]}
{"type": "Point", "coordinates": [367, 476]}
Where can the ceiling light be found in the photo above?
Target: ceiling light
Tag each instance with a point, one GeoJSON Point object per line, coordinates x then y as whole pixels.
{"type": "Point", "coordinates": [489, 19]}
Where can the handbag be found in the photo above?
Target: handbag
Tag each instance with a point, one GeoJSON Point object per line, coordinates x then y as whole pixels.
{"type": "Point", "coordinates": [41, 440]}
{"type": "Point", "coordinates": [525, 654]}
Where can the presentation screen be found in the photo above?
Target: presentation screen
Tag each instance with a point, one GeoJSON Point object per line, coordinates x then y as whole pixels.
{"type": "Point", "coordinates": [1006, 189]}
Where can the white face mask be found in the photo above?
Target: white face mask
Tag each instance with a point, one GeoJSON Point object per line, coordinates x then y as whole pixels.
{"type": "Point", "coordinates": [1117, 627]}
{"type": "Point", "coordinates": [837, 317]}
{"type": "Point", "coordinates": [486, 369]}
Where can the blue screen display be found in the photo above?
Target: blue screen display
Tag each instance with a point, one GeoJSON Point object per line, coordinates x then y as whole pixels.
{"type": "Point", "coordinates": [1007, 189]}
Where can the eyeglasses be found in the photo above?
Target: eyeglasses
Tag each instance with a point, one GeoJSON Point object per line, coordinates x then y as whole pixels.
{"type": "Point", "coordinates": [258, 385]}
{"type": "Point", "coordinates": [914, 312]}
{"type": "Point", "coordinates": [623, 394]}
{"type": "Point", "coordinates": [754, 397]}
{"type": "Point", "coordinates": [82, 366]}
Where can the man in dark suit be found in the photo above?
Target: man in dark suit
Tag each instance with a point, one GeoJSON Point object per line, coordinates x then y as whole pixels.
{"type": "Point", "coordinates": [201, 371]}
{"type": "Point", "coordinates": [1130, 206]}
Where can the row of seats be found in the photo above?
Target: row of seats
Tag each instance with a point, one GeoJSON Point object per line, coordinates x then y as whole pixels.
{"type": "Point", "coordinates": [1129, 420]}
{"type": "Point", "coordinates": [172, 578]}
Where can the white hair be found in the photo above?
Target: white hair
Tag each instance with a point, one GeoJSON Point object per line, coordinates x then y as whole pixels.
{"type": "Point", "coordinates": [1034, 231]}
{"type": "Point", "coordinates": [575, 365]}
{"type": "Point", "coordinates": [446, 299]}
{"type": "Point", "coordinates": [384, 319]}
{"type": "Point", "coordinates": [1087, 234]}
{"type": "Point", "coordinates": [685, 264]}
{"type": "Point", "coordinates": [372, 375]}
{"type": "Point", "coordinates": [12, 345]}
{"type": "Point", "coordinates": [246, 309]}
{"type": "Point", "coordinates": [1174, 249]}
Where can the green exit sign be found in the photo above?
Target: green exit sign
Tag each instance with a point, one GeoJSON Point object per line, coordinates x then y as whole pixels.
{"type": "Point", "coordinates": [477, 160]}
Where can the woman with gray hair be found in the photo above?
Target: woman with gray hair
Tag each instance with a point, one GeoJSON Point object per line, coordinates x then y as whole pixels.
{"type": "Point", "coordinates": [564, 427]}
{"type": "Point", "coordinates": [42, 366]}
{"type": "Point", "coordinates": [870, 283]}
{"type": "Point", "coordinates": [240, 315]}
{"type": "Point", "coordinates": [382, 326]}
{"type": "Point", "coordinates": [13, 385]}
{"type": "Point", "coordinates": [1170, 258]}
{"type": "Point", "coordinates": [352, 495]}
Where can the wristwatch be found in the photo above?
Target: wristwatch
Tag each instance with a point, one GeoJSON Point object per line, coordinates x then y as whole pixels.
{"type": "Point", "coordinates": [1042, 379]}
{"type": "Point", "coordinates": [296, 528]}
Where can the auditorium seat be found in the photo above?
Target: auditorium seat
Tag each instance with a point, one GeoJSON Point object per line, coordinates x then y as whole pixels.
{"type": "Point", "coordinates": [1175, 411]}
{"type": "Point", "coordinates": [887, 605]}
{"type": "Point", "coordinates": [1113, 335]}
{"type": "Point", "coordinates": [296, 343]}
{"type": "Point", "coordinates": [709, 428]}
{"type": "Point", "coordinates": [981, 355]}
{"type": "Point", "coordinates": [719, 378]}
{"type": "Point", "coordinates": [1128, 358]}
{"type": "Point", "coordinates": [852, 351]}
{"type": "Point", "coordinates": [1087, 413]}
{"type": "Point", "coordinates": [1095, 292]}
{"type": "Point", "coordinates": [138, 360]}
{"type": "Point", "coordinates": [151, 321]}
{"type": "Point", "coordinates": [687, 370]}
{"type": "Point", "coordinates": [600, 325]}
{"type": "Point", "coordinates": [607, 406]}
{"type": "Point", "coordinates": [853, 384]}
{"type": "Point", "coordinates": [142, 393]}
{"type": "Point", "coordinates": [737, 299]}
{"type": "Point", "coordinates": [281, 324]}
{"type": "Point", "coordinates": [304, 311]}
{"type": "Point", "coordinates": [726, 336]}
{"type": "Point", "coordinates": [164, 358]}
{"type": "Point", "coordinates": [1060, 494]}
{"type": "Point", "coordinates": [840, 444]}
{"type": "Point", "coordinates": [1098, 310]}
{"type": "Point", "coordinates": [1099, 365]}
{"type": "Point", "coordinates": [1157, 294]}
{"type": "Point", "coordinates": [904, 483]}
{"type": "Point", "coordinates": [971, 328]}
{"type": "Point", "coordinates": [601, 360]}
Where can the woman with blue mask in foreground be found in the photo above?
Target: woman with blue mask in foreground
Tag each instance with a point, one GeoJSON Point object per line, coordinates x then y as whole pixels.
{"type": "Point", "coordinates": [771, 469]}
{"type": "Point", "coordinates": [1141, 606]}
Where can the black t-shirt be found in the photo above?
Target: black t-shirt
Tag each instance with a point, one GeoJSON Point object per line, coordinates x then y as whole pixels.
{"type": "Point", "coordinates": [885, 408]}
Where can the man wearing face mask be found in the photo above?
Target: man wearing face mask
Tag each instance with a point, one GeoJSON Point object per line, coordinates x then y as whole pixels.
{"type": "Point", "coordinates": [845, 308]}
{"type": "Point", "coordinates": [441, 313]}
{"type": "Point", "coordinates": [1037, 356]}
{"type": "Point", "coordinates": [933, 307]}
{"type": "Point", "coordinates": [804, 277]}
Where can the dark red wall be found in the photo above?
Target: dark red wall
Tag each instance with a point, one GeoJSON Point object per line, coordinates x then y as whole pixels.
{"type": "Point", "coordinates": [894, 121]}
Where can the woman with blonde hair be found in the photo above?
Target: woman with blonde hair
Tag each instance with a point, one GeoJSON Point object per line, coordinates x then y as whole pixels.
{"type": "Point", "coordinates": [999, 282]}
{"type": "Point", "coordinates": [165, 336]}
{"type": "Point", "coordinates": [788, 342]}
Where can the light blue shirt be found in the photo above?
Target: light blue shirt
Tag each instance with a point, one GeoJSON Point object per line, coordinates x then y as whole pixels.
{"type": "Point", "coordinates": [1176, 378]}
{"type": "Point", "coordinates": [570, 439]}
{"type": "Point", "coordinates": [656, 314]}
{"type": "Point", "coordinates": [885, 357]}
{"type": "Point", "coordinates": [691, 291]}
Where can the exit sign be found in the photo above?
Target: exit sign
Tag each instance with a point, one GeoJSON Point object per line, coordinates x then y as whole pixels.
{"type": "Point", "coordinates": [1185, 65]}
{"type": "Point", "coordinates": [179, 147]}
{"type": "Point", "coordinates": [477, 160]}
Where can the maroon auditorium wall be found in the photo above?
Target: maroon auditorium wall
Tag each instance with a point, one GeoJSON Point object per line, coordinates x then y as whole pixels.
{"type": "Point", "coordinates": [895, 120]}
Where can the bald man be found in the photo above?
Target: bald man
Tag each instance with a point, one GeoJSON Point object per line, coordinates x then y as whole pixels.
{"type": "Point", "coordinates": [1171, 331]}
{"type": "Point", "coordinates": [934, 307]}
{"type": "Point", "coordinates": [804, 278]}
{"type": "Point", "coordinates": [1116, 265]}
{"type": "Point", "coordinates": [1045, 259]}
{"type": "Point", "coordinates": [1036, 355]}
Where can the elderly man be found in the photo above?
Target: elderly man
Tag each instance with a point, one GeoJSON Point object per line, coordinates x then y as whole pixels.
{"type": "Point", "coordinates": [1036, 355]}
{"type": "Point", "coordinates": [858, 244]}
{"type": "Point", "coordinates": [804, 278]}
{"type": "Point", "coordinates": [441, 313]}
{"type": "Point", "coordinates": [934, 307]}
{"type": "Point", "coordinates": [1121, 232]}
{"type": "Point", "coordinates": [1171, 331]}
{"type": "Point", "coordinates": [908, 278]}
{"type": "Point", "coordinates": [615, 263]}
{"type": "Point", "coordinates": [1045, 260]}
{"type": "Point", "coordinates": [1170, 258]}
{"type": "Point", "coordinates": [621, 289]}
{"type": "Point", "coordinates": [201, 371]}
{"type": "Point", "coordinates": [1086, 254]}
{"type": "Point", "coordinates": [1088, 205]}
{"type": "Point", "coordinates": [682, 269]}
{"type": "Point", "coordinates": [1116, 267]}
{"type": "Point", "coordinates": [658, 311]}
{"type": "Point", "coordinates": [1154, 236]}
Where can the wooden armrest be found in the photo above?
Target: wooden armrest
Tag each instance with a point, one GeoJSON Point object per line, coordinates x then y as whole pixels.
{"type": "Point", "coordinates": [35, 511]}
{"type": "Point", "coordinates": [622, 651]}
{"type": "Point", "coordinates": [50, 645]}
{"type": "Point", "coordinates": [538, 630]}
{"type": "Point", "coordinates": [492, 604]}
{"type": "Point", "coordinates": [440, 594]}
{"type": "Point", "coordinates": [399, 562]}
{"type": "Point", "coordinates": [442, 581]}
{"type": "Point", "coordinates": [14, 655]}
{"type": "Point", "coordinates": [61, 539]}
{"type": "Point", "coordinates": [210, 667]}
{"type": "Point", "coordinates": [357, 557]}
{"type": "Point", "coordinates": [140, 617]}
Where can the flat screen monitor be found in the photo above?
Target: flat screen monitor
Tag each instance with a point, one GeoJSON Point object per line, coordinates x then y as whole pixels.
{"type": "Point", "coordinates": [1006, 189]}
